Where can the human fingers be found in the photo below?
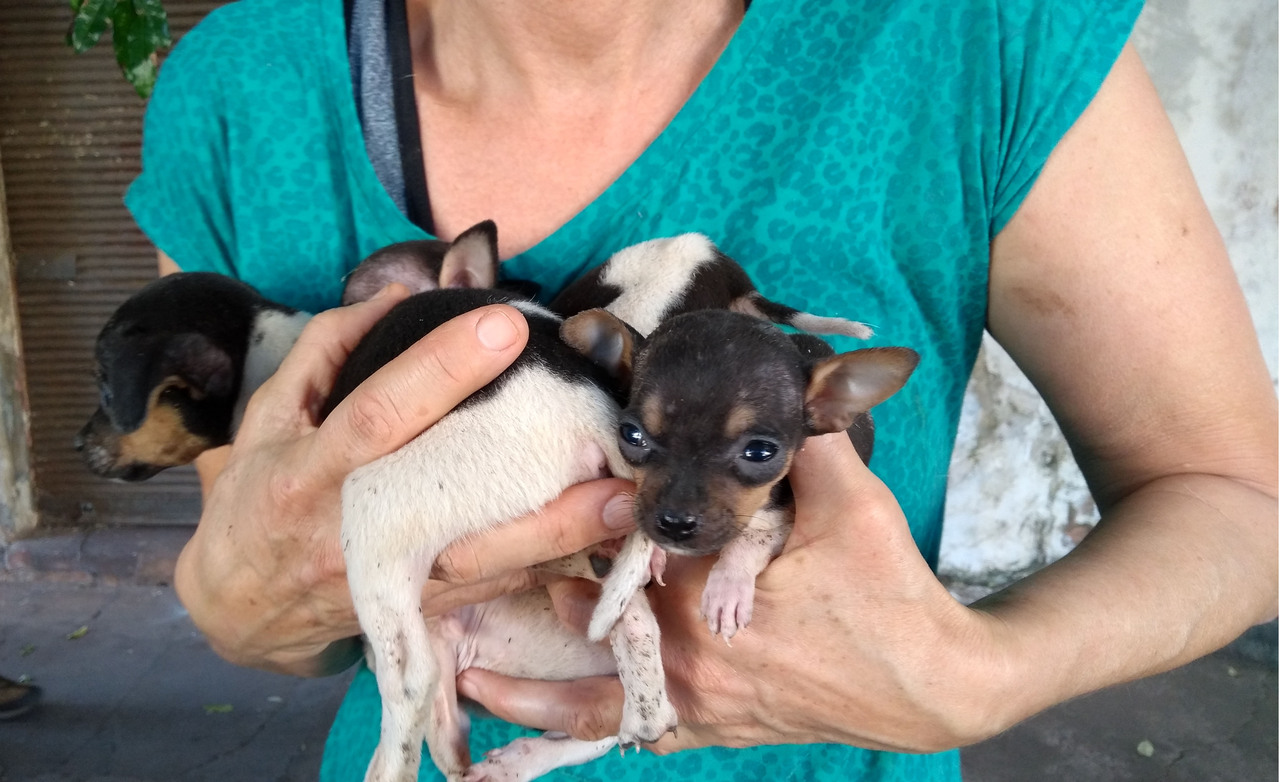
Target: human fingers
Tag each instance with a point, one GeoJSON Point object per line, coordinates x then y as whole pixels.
{"type": "Point", "coordinates": [303, 379]}
{"type": "Point", "coordinates": [584, 514]}
{"type": "Point", "coordinates": [844, 499]}
{"type": "Point", "coordinates": [589, 709]}
{"type": "Point", "coordinates": [415, 390]}
{"type": "Point", "coordinates": [439, 597]}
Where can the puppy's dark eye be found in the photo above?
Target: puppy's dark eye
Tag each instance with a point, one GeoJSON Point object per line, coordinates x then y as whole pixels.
{"type": "Point", "coordinates": [633, 444]}
{"type": "Point", "coordinates": [759, 451]}
{"type": "Point", "coordinates": [632, 435]}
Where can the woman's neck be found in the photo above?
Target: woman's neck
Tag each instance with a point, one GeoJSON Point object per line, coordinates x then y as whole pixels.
{"type": "Point", "coordinates": [553, 53]}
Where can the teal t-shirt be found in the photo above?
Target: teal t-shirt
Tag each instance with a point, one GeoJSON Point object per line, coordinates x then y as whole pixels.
{"type": "Point", "coordinates": [857, 157]}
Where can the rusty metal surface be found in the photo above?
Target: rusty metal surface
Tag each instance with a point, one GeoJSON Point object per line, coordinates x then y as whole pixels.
{"type": "Point", "coordinates": [70, 131]}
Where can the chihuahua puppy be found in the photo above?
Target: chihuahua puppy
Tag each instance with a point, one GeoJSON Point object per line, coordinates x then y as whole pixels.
{"type": "Point", "coordinates": [177, 362]}
{"type": "Point", "coordinates": [429, 264]}
{"type": "Point", "coordinates": [647, 283]}
{"type": "Point", "coordinates": [719, 403]}
{"type": "Point", "coordinates": [544, 424]}
{"type": "Point", "coordinates": [541, 426]}
{"type": "Point", "coordinates": [175, 365]}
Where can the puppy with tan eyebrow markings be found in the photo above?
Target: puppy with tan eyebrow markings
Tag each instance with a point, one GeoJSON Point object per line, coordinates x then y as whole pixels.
{"type": "Point", "coordinates": [719, 403]}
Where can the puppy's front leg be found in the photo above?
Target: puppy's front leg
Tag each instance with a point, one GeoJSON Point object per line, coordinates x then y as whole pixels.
{"type": "Point", "coordinates": [631, 570]}
{"type": "Point", "coordinates": [729, 596]}
{"type": "Point", "coordinates": [647, 713]}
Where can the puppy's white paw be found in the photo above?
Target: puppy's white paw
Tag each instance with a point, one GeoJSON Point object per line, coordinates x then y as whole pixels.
{"type": "Point", "coordinates": [727, 601]}
{"type": "Point", "coordinates": [505, 764]}
{"type": "Point", "coordinates": [647, 719]}
{"type": "Point", "coordinates": [529, 758]}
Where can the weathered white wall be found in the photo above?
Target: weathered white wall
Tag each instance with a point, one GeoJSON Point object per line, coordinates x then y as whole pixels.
{"type": "Point", "coordinates": [1017, 501]}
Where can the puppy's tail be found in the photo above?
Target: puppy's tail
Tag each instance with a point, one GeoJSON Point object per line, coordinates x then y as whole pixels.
{"type": "Point", "coordinates": [758, 306]}
{"type": "Point", "coordinates": [630, 572]}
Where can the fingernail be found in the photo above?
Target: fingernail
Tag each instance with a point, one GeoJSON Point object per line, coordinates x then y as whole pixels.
{"type": "Point", "coordinates": [496, 331]}
{"type": "Point", "coordinates": [619, 512]}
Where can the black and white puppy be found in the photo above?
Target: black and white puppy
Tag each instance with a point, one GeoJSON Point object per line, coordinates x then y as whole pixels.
{"type": "Point", "coordinates": [649, 282]}
{"type": "Point", "coordinates": [429, 264]}
{"type": "Point", "coordinates": [547, 422]}
{"type": "Point", "coordinates": [175, 365]}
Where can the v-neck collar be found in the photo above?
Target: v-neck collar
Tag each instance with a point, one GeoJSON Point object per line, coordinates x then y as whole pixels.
{"type": "Point", "coordinates": [582, 239]}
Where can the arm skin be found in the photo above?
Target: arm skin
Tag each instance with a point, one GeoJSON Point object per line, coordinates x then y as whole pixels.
{"type": "Point", "coordinates": [1112, 290]}
{"type": "Point", "coordinates": [263, 575]}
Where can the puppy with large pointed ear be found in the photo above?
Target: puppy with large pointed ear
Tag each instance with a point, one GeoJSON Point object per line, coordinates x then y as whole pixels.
{"type": "Point", "coordinates": [718, 404]}
{"type": "Point", "coordinates": [469, 261]}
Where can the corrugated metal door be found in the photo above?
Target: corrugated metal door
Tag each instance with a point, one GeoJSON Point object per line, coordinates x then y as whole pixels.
{"type": "Point", "coordinates": [71, 130]}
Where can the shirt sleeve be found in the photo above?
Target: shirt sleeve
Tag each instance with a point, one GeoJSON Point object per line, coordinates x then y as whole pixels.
{"type": "Point", "coordinates": [181, 200]}
{"type": "Point", "coordinates": [1054, 56]}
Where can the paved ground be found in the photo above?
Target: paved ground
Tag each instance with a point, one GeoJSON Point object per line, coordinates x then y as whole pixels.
{"type": "Point", "coordinates": [139, 695]}
{"type": "Point", "coordinates": [132, 694]}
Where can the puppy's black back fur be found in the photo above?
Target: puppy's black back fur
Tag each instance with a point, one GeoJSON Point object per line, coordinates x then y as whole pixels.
{"type": "Point", "coordinates": [418, 315]}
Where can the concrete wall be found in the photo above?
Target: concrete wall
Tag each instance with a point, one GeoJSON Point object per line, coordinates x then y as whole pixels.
{"type": "Point", "coordinates": [1017, 501]}
{"type": "Point", "coordinates": [17, 503]}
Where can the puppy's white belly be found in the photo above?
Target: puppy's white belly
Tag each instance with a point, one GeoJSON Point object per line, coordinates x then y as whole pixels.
{"type": "Point", "coordinates": [481, 465]}
{"type": "Point", "coordinates": [495, 459]}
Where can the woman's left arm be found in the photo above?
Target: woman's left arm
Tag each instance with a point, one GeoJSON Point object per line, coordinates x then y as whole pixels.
{"type": "Point", "coordinates": [1112, 290]}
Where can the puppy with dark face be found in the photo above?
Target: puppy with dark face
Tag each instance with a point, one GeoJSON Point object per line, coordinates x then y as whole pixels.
{"type": "Point", "coordinates": [178, 361]}
{"type": "Point", "coordinates": [719, 404]}
{"type": "Point", "coordinates": [175, 365]}
{"type": "Point", "coordinates": [710, 427]}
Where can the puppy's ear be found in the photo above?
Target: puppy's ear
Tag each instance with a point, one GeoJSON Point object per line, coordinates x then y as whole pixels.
{"type": "Point", "coordinates": [605, 339]}
{"type": "Point", "coordinates": [841, 387]}
{"type": "Point", "coordinates": [472, 260]}
{"type": "Point", "coordinates": [204, 368]}
{"type": "Point", "coordinates": [415, 265]}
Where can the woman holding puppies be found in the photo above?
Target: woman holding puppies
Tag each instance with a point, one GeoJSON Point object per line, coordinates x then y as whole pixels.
{"type": "Point", "coordinates": [932, 168]}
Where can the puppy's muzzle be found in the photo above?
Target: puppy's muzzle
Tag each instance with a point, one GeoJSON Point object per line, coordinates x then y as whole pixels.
{"type": "Point", "coordinates": [98, 444]}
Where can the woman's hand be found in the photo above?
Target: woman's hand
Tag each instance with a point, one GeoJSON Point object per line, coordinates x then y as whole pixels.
{"type": "Point", "coordinates": [263, 575]}
{"type": "Point", "coordinates": [853, 639]}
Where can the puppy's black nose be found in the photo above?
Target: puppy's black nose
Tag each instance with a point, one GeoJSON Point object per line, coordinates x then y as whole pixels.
{"type": "Point", "coordinates": [677, 526]}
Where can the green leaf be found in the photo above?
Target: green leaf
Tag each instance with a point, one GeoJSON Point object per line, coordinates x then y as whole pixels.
{"type": "Point", "coordinates": [28, 650]}
{"type": "Point", "coordinates": [88, 23]}
{"type": "Point", "coordinates": [140, 29]}
{"type": "Point", "coordinates": [79, 632]}
{"type": "Point", "coordinates": [217, 708]}
{"type": "Point", "coordinates": [142, 76]}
